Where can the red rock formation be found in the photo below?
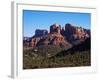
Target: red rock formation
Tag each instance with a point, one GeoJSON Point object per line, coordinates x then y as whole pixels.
{"type": "Point", "coordinates": [57, 36]}
{"type": "Point", "coordinates": [39, 33]}
{"type": "Point", "coordinates": [33, 42]}
{"type": "Point", "coordinates": [62, 31]}
{"type": "Point", "coordinates": [81, 34]}
{"type": "Point", "coordinates": [73, 33]}
{"type": "Point", "coordinates": [55, 28]}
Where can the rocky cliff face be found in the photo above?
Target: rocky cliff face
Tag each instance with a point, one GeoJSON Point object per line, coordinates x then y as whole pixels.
{"type": "Point", "coordinates": [39, 33]}
{"type": "Point", "coordinates": [55, 28]}
{"type": "Point", "coordinates": [65, 38]}
{"type": "Point", "coordinates": [75, 34]}
{"type": "Point", "coordinates": [54, 39]}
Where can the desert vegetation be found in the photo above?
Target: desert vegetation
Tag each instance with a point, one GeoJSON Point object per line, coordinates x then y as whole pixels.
{"type": "Point", "coordinates": [45, 57]}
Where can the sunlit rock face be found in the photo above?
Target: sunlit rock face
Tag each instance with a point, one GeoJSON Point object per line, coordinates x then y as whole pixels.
{"type": "Point", "coordinates": [60, 41]}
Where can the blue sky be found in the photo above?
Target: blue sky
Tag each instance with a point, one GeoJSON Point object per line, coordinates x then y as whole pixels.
{"type": "Point", "coordinates": [33, 20]}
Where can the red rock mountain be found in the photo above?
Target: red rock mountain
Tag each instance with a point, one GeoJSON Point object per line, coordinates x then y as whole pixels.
{"type": "Point", "coordinates": [64, 38]}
